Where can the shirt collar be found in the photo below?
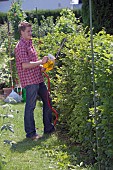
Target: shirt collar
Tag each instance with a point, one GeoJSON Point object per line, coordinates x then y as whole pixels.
{"type": "Point", "coordinates": [27, 42]}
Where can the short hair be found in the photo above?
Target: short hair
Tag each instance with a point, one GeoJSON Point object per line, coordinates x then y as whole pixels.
{"type": "Point", "coordinates": [23, 25]}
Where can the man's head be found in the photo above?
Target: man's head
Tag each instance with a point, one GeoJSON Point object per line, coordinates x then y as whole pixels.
{"type": "Point", "coordinates": [25, 30]}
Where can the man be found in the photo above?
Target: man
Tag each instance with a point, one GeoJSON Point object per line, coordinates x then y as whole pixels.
{"type": "Point", "coordinates": [30, 74]}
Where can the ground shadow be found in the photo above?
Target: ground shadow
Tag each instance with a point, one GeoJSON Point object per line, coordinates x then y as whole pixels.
{"type": "Point", "coordinates": [28, 144]}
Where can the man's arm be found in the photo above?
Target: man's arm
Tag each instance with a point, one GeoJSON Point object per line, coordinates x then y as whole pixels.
{"type": "Point", "coordinates": [34, 64]}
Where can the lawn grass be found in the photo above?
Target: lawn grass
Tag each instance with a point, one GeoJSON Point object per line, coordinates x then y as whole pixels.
{"type": "Point", "coordinates": [22, 154]}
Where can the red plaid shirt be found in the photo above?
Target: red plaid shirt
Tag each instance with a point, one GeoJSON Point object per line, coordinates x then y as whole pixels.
{"type": "Point", "coordinates": [25, 52]}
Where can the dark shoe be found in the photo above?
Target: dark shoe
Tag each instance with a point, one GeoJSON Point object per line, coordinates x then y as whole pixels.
{"type": "Point", "coordinates": [36, 137]}
{"type": "Point", "coordinates": [50, 132]}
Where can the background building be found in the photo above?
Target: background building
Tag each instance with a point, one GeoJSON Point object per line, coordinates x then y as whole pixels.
{"type": "Point", "coordinates": [32, 4]}
{"type": "Point", "coordinates": [28, 5]}
{"type": "Point", "coordinates": [76, 4]}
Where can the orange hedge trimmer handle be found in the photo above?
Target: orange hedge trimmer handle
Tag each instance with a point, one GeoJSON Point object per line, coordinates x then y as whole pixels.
{"type": "Point", "coordinates": [51, 59]}
{"type": "Point", "coordinates": [55, 112]}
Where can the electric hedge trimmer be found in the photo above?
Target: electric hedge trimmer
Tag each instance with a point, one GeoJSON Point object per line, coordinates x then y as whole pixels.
{"type": "Point", "coordinates": [49, 66]}
{"type": "Point", "coordinates": [51, 59]}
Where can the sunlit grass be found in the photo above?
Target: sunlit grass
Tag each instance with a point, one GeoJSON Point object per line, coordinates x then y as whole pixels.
{"type": "Point", "coordinates": [23, 154]}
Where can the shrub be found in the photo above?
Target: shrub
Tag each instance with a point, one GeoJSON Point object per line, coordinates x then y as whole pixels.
{"type": "Point", "coordinates": [3, 18]}
{"type": "Point", "coordinates": [102, 14]}
{"type": "Point", "coordinates": [72, 88]}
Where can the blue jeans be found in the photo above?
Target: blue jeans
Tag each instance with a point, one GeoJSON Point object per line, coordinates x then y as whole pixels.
{"type": "Point", "coordinates": [32, 92]}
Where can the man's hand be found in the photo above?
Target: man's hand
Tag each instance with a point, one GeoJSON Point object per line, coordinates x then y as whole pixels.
{"type": "Point", "coordinates": [43, 69]}
{"type": "Point", "coordinates": [44, 60]}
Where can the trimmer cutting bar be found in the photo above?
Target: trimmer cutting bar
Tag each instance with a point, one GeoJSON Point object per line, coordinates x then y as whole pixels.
{"type": "Point", "coordinates": [60, 47]}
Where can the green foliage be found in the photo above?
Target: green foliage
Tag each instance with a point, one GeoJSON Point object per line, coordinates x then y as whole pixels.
{"type": "Point", "coordinates": [46, 26]}
{"type": "Point", "coordinates": [66, 22]}
{"type": "Point", "coordinates": [5, 74]}
{"type": "Point", "coordinates": [3, 32]}
{"type": "Point", "coordinates": [72, 88]}
{"type": "Point", "coordinates": [39, 14]}
{"type": "Point", "coordinates": [85, 12]}
{"type": "Point", "coordinates": [7, 61]}
{"type": "Point", "coordinates": [103, 71]}
{"type": "Point", "coordinates": [102, 14]}
{"type": "Point", "coordinates": [6, 112]}
{"type": "Point", "coordinates": [31, 15]}
{"type": "Point", "coordinates": [4, 53]}
{"type": "Point", "coordinates": [48, 13]}
{"type": "Point", "coordinates": [3, 18]}
{"type": "Point", "coordinates": [8, 40]}
{"type": "Point", "coordinates": [15, 16]}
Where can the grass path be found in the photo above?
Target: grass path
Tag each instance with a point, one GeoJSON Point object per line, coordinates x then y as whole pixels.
{"type": "Point", "coordinates": [23, 154]}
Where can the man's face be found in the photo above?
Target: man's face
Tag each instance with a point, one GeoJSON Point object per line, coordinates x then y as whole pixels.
{"type": "Point", "coordinates": [27, 34]}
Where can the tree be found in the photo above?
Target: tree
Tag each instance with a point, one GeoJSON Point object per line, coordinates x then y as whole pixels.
{"type": "Point", "coordinates": [15, 16]}
{"type": "Point", "coordinates": [102, 14]}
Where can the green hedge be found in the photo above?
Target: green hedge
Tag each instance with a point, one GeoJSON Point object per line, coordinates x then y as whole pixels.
{"type": "Point", "coordinates": [72, 89]}
{"type": "Point", "coordinates": [3, 18]}
{"type": "Point", "coordinates": [38, 14]}
{"type": "Point", "coordinates": [102, 14]}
